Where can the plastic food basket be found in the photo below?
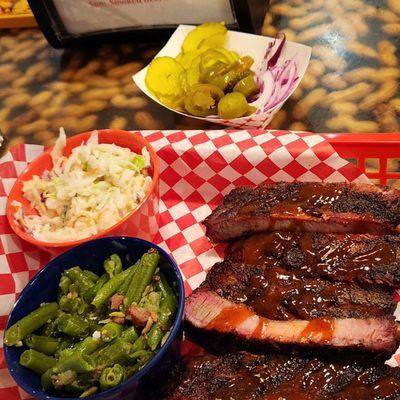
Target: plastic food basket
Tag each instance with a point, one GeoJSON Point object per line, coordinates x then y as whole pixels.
{"type": "Point", "coordinates": [376, 154]}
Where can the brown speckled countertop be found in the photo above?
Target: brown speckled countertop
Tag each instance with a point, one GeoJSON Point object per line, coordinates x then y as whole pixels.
{"type": "Point", "coordinates": [351, 85]}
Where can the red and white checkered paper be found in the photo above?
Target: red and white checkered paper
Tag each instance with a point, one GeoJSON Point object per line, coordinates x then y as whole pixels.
{"type": "Point", "coordinates": [197, 168]}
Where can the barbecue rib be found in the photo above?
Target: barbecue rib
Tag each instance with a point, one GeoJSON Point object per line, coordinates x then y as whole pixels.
{"type": "Point", "coordinates": [243, 376]}
{"type": "Point", "coordinates": [275, 293]}
{"type": "Point", "coordinates": [309, 207]}
{"type": "Point", "coordinates": [344, 258]}
{"type": "Point", "coordinates": [208, 311]}
{"type": "Point", "coordinates": [271, 305]}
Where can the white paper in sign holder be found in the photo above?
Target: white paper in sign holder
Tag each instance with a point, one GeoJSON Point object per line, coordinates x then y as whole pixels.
{"type": "Point", "coordinates": [83, 16]}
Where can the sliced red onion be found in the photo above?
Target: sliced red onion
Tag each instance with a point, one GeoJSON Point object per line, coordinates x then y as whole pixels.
{"type": "Point", "coordinates": [284, 77]}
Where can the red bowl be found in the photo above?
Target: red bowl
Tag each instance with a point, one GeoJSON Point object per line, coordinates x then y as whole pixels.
{"type": "Point", "coordinates": [142, 222]}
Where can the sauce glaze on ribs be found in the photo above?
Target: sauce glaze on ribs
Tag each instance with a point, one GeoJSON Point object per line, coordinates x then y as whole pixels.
{"type": "Point", "coordinates": [307, 207]}
{"type": "Point", "coordinates": [276, 293]}
{"type": "Point", "coordinates": [243, 376]}
{"type": "Point", "coordinates": [344, 258]}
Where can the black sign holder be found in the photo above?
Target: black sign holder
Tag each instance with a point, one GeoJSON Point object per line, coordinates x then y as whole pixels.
{"type": "Point", "coordinates": [57, 35]}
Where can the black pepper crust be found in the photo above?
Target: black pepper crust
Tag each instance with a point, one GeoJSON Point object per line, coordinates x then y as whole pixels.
{"type": "Point", "coordinates": [321, 378]}
{"type": "Point", "coordinates": [383, 204]}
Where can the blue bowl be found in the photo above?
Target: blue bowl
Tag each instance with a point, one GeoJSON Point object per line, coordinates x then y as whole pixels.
{"type": "Point", "coordinates": [44, 288]}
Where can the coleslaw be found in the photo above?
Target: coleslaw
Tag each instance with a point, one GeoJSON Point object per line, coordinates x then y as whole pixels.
{"type": "Point", "coordinates": [85, 193]}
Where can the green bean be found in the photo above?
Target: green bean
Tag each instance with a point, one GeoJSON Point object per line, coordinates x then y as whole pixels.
{"type": "Point", "coordinates": [63, 379]}
{"type": "Point", "coordinates": [154, 336]}
{"type": "Point", "coordinates": [115, 353]}
{"type": "Point", "coordinates": [81, 282]}
{"type": "Point", "coordinates": [131, 370]}
{"type": "Point", "coordinates": [130, 334]}
{"type": "Point", "coordinates": [113, 265]}
{"type": "Point", "coordinates": [64, 344]}
{"type": "Point", "coordinates": [110, 288]}
{"type": "Point", "coordinates": [111, 377]}
{"type": "Point", "coordinates": [151, 302]}
{"type": "Point", "coordinates": [91, 275]}
{"type": "Point", "coordinates": [142, 277]}
{"type": "Point", "coordinates": [64, 284]}
{"type": "Point", "coordinates": [43, 344]}
{"type": "Point", "coordinates": [73, 304]}
{"type": "Point", "coordinates": [30, 323]}
{"type": "Point", "coordinates": [93, 325]}
{"type": "Point", "coordinates": [50, 328]}
{"type": "Point", "coordinates": [111, 331]}
{"type": "Point", "coordinates": [89, 392]}
{"type": "Point", "coordinates": [91, 293]}
{"type": "Point", "coordinates": [62, 355]}
{"type": "Point", "coordinates": [65, 303]}
{"type": "Point", "coordinates": [81, 384]}
{"type": "Point", "coordinates": [140, 344]}
{"type": "Point", "coordinates": [123, 289]}
{"type": "Point", "coordinates": [166, 314]}
{"type": "Point", "coordinates": [165, 337]}
{"type": "Point", "coordinates": [36, 361]}
{"type": "Point", "coordinates": [166, 291]}
{"type": "Point", "coordinates": [168, 305]}
{"type": "Point", "coordinates": [142, 356]}
{"type": "Point", "coordinates": [88, 345]}
{"type": "Point", "coordinates": [163, 286]}
{"type": "Point", "coordinates": [45, 379]}
{"type": "Point", "coordinates": [78, 363]}
{"type": "Point", "coordinates": [72, 325]}
{"type": "Point", "coordinates": [51, 379]}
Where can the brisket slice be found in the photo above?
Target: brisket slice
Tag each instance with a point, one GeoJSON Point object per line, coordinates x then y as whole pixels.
{"type": "Point", "coordinates": [244, 376]}
{"type": "Point", "coordinates": [347, 258]}
{"type": "Point", "coordinates": [207, 310]}
{"type": "Point", "coordinates": [309, 207]}
{"type": "Point", "coordinates": [275, 293]}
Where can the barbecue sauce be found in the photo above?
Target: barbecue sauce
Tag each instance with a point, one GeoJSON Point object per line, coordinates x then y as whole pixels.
{"type": "Point", "coordinates": [229, 318]}
{"type": "Point", "coordinates": [279, 294]}
{"type": "Point", "coordinates": [318, 330]}
{"type": "Point", "coordinates": [311, 199]}
{"type": "Point", "coordinates": [342, 259]}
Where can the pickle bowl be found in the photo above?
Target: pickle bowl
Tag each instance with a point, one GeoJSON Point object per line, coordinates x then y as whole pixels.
{"type": "Point", "coordinates": [279, 66]}
{"type": "Point", "coordinates": [140, 222]}
{"type": "Point", "coordinates": [44, 288]}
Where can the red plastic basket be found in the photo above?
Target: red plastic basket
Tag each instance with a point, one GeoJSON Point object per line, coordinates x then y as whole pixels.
{"type": "Point", "coordinates": [383, 148]}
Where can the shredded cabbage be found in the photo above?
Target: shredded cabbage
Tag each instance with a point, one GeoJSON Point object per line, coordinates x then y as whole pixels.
{"type": "Point", "coordinates": [85, 193]}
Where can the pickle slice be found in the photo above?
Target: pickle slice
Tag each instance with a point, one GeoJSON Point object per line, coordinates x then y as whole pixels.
{"type": "Point", "coordinates": [201, 100]}
{"type": "Point", "coordinates": [173, 102]}
{"type": "Point", "coordinates": [193, 73]}
{"type": "Point", "coordinates": [186, 59]}
{"type": "Point", "coordinates": [211, 57]}
{"type": "Point", "coordinates": [216, 40]}
{"type": "Point", "coordinates": [232, 56]}
{"type": "Point", "coordinates": [184, 83]}
{"type": "Point", "coordinates": [197, 35]}
{"type": "Point", "coordinates": [164, 77]}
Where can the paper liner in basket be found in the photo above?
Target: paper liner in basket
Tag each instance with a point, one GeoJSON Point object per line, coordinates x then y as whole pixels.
{"type": "Point", "coordinates": [277, 81]}
{"type": "Point", "coordinates": [196, 169]}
